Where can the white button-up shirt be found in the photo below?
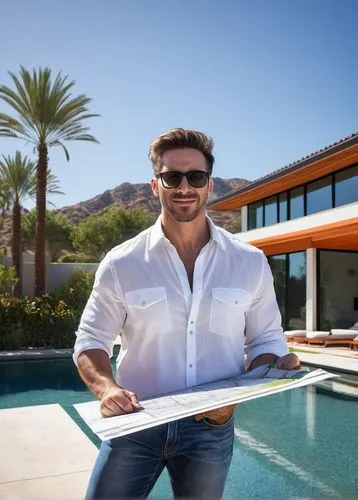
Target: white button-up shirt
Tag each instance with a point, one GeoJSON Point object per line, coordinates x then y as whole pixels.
{"type": "Point", "coordinates": [173, 337]}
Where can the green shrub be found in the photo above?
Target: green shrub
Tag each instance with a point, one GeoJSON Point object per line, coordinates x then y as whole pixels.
{"type": "Point", "coordinates": [77, 258]}
{"type": "Point", "coordinates": [76, 290]}
{"type": "Point", "coordinates": [8, 278]}
{"type": "Point", "coordinates": [35, 322]}
{"type": "Point", "coordinates": [49, 321]}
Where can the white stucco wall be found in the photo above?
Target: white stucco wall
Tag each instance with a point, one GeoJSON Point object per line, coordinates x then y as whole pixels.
{"type": "Point", "coordinates": [244, 212]}
{"type": "Point", "coordinates": [311, 289]}
{"type": "Point", "coordinates": [56, 274]}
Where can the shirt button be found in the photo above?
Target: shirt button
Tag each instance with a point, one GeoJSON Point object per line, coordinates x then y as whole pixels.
{"type": "Point", "coordinates": [191, 322]}
{"type": "Point", "coordinates": [143, 303]}
{"type": "Point", "coordinates": [236, 301]}
{"type": "Point", "coordinates": [190, 366]}
{"type": "Point", "coordinates": [191, 332]}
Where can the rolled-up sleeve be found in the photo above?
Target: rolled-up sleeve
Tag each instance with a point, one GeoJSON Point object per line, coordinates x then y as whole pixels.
{"type": "Point", "coordinates": [264, 332]}
{"type": "Point", "coordinates": [104, 314]}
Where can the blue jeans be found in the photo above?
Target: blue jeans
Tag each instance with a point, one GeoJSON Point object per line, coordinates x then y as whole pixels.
{"type": "Point", "coordinates": [196, 454]}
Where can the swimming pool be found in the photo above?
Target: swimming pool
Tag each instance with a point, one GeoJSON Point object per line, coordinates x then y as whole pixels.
{"type": "Point", "coordinates": [298, 443]}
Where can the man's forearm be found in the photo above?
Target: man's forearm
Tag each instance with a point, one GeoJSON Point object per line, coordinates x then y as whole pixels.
{"type": "Point", "coordinates": [94, 367]}
{"type": "Point", "coordinates": [263, 359]}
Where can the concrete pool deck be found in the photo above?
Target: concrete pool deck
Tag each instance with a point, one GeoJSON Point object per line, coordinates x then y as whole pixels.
{"type": "Point", "coordinates": [329, 358]}
{"type": "Point", "coordinates": [46, 455]}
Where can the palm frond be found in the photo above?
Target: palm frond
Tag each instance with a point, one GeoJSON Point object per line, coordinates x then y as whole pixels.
{"type": "Point", "coordinates": [21, 102]}
{"type": "Point", "coordinates": [45, 110]}
{"type": "Point", "coordinates": [52, 204]}
{"type": "Point", "coordinates": [10, 127]}
{"type": "Point", "coordinates": [4, 195]}
{"type": "Point", "coordinates": [85, 137]}
{"type": "Point", "coordinates": [19, 175]}
{"type": "Point", "coordinates": [52, 183]}
{"type": "Point", "coordinates": [59, 143]}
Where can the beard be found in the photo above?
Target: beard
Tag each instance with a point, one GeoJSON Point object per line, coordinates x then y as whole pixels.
{"type": "Point", "coordinates": [184, 213]}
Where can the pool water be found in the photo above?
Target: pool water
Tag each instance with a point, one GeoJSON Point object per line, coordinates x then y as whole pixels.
{"type": "Point", "coordinates": [298, 443]}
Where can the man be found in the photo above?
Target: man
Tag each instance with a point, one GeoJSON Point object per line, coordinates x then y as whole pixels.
{"type": "Point", "coordinates": [189, 298]}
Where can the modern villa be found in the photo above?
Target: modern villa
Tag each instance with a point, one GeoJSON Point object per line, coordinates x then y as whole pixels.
{"type": "Point", "coordinates": [305, 219]}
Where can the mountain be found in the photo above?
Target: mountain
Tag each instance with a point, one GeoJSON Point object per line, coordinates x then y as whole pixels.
{"type": "Point", "coordinates": [129, 195]}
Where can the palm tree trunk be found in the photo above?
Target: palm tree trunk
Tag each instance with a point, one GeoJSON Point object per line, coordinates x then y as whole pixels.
{"type": "Point", "coordinates": [41, 177]}
{"type": "Point", "coordinates": [16, 245]}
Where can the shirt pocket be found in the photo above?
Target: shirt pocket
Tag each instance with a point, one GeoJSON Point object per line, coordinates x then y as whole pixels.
{"type": "Point", "coordinates": [148, 310]}
{"type": "Point", "coordinates": [228, 308]}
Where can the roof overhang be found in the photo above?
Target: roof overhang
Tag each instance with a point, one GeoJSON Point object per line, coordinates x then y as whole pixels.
{"type": "Point", "coordinates": [341, 235]}
{"type": "Point", "coordinates": [303, 171]}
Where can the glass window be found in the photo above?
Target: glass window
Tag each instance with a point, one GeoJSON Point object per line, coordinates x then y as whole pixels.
{"type": "Point", "coordinates": [282, 207]}
{"type": "Point", "coordinates": [296, 291]}
{"type": "Point", "coordinates": [255, 215]}
{"type": "Point", "coordinates": [319, 195]}
{"type": "Point", "coordinates": [347, 186]}
{"type": "Point", "coordinates": [338, 289]}
{"type": "Point", "coordinates": [289, 274]}
{"type": "Point", "coordinates": [278, 268]}
{"type": "Point", "coordinates": [297, 205]}
{"type": "Point", "coordinates": [271, 210]}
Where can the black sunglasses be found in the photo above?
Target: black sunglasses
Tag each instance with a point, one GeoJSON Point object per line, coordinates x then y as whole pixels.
{"type": "Point", "coordinates": [172, 179]}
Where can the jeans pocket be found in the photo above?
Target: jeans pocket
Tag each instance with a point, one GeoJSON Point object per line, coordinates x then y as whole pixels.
{"type": "Point", "coordinates": [224, 426]}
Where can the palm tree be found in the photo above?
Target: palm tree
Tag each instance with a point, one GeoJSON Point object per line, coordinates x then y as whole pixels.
{"type": "Point", "coordinates": [18, 175]}
{"type": "Point", "coordinates": [4, 206]}
{"type": "Point", "coordinates": [4, 202]}
{"type": "Point", "coordinates": [46, 116]}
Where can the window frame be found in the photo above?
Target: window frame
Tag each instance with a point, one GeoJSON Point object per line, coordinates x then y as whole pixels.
{"type": "Point", "coordinates": [333, 184]}
{"type": "Point", "coordinates": [285, 320]}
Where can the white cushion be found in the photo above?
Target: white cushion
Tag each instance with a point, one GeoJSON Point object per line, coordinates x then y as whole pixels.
{"type": "Point", "coordinates": [342, 334]}
{"type": "Point", "coordinates": [317, 335]}
{"type": "Point", "coordinates": [295, 333]}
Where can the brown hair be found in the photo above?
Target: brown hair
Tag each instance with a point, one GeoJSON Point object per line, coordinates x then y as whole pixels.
{"type": "Point", "coordinates": [178, 138]}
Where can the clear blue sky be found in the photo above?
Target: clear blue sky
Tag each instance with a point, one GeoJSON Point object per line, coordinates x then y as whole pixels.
{"type": "Point", "coordinates": [270, 80]}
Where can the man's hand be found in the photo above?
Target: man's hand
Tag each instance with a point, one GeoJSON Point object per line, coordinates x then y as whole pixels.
{"type": "Point", "coordinates": [95, 369]}
{"type": "Point", "coordinates": [116, 401]}
{"type": "Point", "coordinates": [289, 361]}
{"type": "Point", "coordinates": [217, 417]}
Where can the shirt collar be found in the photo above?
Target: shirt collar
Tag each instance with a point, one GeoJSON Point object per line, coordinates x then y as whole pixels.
{"type": "Point", "coordinates": [157, 234]}
{"type": "Point", "coordinates": [215, 234]}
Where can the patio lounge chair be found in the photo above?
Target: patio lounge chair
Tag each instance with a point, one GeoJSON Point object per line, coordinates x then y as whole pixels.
{"type": "Point", "coordinates": [354, 344]}
{"type": "Point", "coordinates": [336, 337]}
{"type": "Point", "coordinates": [317, 337]}
{"type": "Point", "coordinates": [306, 336]}
{"type": "Point", "coordinates": [298, 336]}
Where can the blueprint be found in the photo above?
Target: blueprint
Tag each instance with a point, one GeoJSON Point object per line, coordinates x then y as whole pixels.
{"type": "Point", "coordinates": [262, 381]}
